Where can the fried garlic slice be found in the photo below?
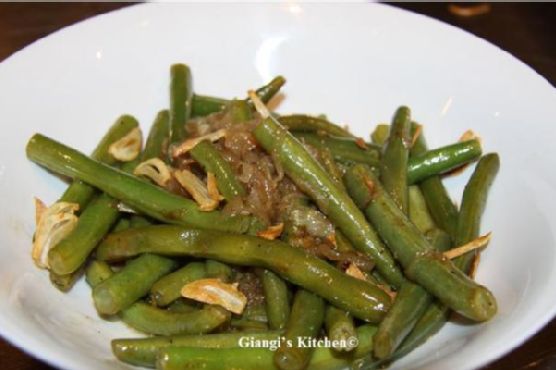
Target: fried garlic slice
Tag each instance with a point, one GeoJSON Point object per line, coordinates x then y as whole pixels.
{"type": "Point", "coordinates": [128, 147]}
{"type": "Point", "coordinates": [189, 144]}
{"type": "Point", "coordinates": [155, 170]}
{"type": "Point", "coordinates": [214, 291]}
{"type": "Point", "coordinates": [272, 232]}
{"type": "Point", "coordinates": [477, 243]}
{"type": "Point", "coordinates": [53, 224]}
{"type": "Point", "coordinates": [355, 272]}
{"type": "Point", "coordinates": [197, 189]}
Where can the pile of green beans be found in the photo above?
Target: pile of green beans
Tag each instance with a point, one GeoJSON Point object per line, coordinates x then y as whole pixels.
{"type": "Point", "coordinates": [384, 202]}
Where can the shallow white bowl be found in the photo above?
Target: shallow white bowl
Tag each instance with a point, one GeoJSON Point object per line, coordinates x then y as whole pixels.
{"type": "Point", "coordinates": [356, 63]}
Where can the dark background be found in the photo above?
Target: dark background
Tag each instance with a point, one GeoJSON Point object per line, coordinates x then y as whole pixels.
{"type": "Point", "coordinates": [527, 30]}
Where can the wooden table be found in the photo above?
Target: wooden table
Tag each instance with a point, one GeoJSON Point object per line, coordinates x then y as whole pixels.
{"type": "Point", "coordinates": [528, 31]}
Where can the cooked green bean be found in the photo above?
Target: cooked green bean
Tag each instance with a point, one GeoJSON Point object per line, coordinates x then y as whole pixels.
{"type": "Point", "coordinates": [328, 359]}
{"type": "Point", "coordinates": [217, 269]}
{"type": "Point", "coordinates": [362, 299]}
{"type": "Point", "coordinates": [81, 193]}
{"type": "Point", "coordinates": [131, 283]}
{"type": "Point", "coordinates": [146, 198]}
{"type": "Point", "coordinates": [143, 351]}
{"type": "Point", "coordinates": [276, 299]}
{"type": "Point", "coordinates": [179, 358]}
{"type": "Point", "coordinates": [440, 206]}
{"type": "Point", "coordinates": [212, 161]}
{"type": "Point", "coordinates": [310, 177]}
{"type": "Point", "coordinates": [65, 282]}
{"type": "Point", "coordinates": [168, 288]}
{"type": "Point", "coordinates": [97, 272]}
{"type": "Point", "coordinates": [158, 139]}
{"type": "Point", "coordinates": [181, 99]}
{"type": "Point", "coordinates": [183, 305]}
{"type": "Point", "coordinates": [340, 328]}
{"type": "Point", "coordinates": [305, 123]}
{"type": "Point", "coordinates": [441, 160]}
{"type": "Point", "coordinates": [422, 265]}
{"type": "Point", "coordinates": [305, 322]}
{"type": "Point", "coordinates": [380, 134]}
{"type": "Point", "coordinates": [473, 202]}
{"type": "Point", "coordinates": [153, 320]}
{"type": "Point", "coordinates": [343, 149]}
{"type": "Point", "coordinates": [326, 159]}
{"type": "Point", "coordinates": [393, 173]}
{"type": "Point", "coordinates": [68, 255]}
{"type": "Point", "coordinates": [240, 111]}
{"type": "Point", "coordinates": [204, 105]}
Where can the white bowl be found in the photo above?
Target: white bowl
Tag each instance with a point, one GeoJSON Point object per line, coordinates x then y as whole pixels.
{"type": "Point", "coordinates": [354, 62]}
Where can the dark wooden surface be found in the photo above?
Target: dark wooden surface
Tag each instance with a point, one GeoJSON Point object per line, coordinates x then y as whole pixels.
{"type": "Point", "coordinates": [528, 31]}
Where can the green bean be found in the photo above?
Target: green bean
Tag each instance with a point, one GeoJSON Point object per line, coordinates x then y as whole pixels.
{"type": "Point", "coordinates": [343, 149]}
{"type": "Point", "coordinates": [181, 99]}
{"type": "Point", "coordinates": [143, 351]}
{"type": "Point", "coordinates": [248, 326]}
{"type": "Point", "coordinates": [340, 328]}
{"type": "Point", "coordinates": [441, 208]}
{"type": "Point", "coordinates": [310, 177]}
{"type": "Point", "coordinates": [168, 288]}
{"type": "Point", "coordinates": [212, 161]}
{"type": "Point", "coordinates": [473, 204]}
{"type": "Point", "coordinates": [131, 283]}
{"type": "Point", "coordinates": [268, 91]}
{"type": "Point", "coordinates": [276, 299]}
{"type": "Point", "coordinates": [326, 159]}
{"type": "Point", "coordinates": [81, 193]}
{"type": "Point", "coordinates": [156, 145]}
{"type": "Point", "coordinates": [216, 269]}
{"type": "Point", "coordinates": [328, 359]}
{"type": "Point", "coordinates": [418, 211]}
{"type": "Point", "coordinates": [183, 305]}
{"type": "Point", "coordinates": [304, 123]}
{"type": "Point", "coordinates": [380, 134]}
{"type": "Point", "coordinates": [65, 282]}
{"type": "Point", "coordinates": [204, 105]}
{"type": "Point", "coordinates": [441, 160]}
{"type": "Point", "coordinates": [240, 111]}
{"type": "Point", "coordinates": [362, 299]}
{"type": "Point", "coordinates": [422, 265]}
{"type": "Point", "coordinates": [68, 255]}
{"type": "Point", "coordinates": [410, 304]}
{"type": "Point", "coordinates": [93, 224]}
{"type": "Point", "coordinates": [179, 358]}
{"type": "Point", "coordinates": [394, 160]}
{"type": "Point", "coordinates": [152, 320]}
{"type": "Point", "coordinates": [138, 221]}
{"type": "Point", "coordinates": [305, 321]}
{"type": "Point", "coordinates": [97, 272]}
{"type": "Point", "coordinates": [122, 224]}
{"type": "Point", "coordinates": [440, 205]}
{"type": "Point", "coordinates": [145, 198]}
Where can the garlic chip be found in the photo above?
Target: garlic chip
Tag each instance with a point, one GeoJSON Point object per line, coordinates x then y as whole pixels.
{"type": "Point", "coordinates": [189, 144]}
{"type": "Point", "coordinates": [212, 188]}
{"type": "Point", "coordinates": [477, 243]}
{"type": "Point", "coordinates": [154, 169]}
{"type": "Point", "coordinates": [214, 291]}
{"type": "Point", "coordinates": [197, 189]}
{"type": "Point", "coordinates": [52, 225]}
{"type": "Point", "coordinates": [355, 272]}
{"type": "Point", "coordinates": [272, 232]}
{"type": "Point", "coordinates": [128, 147]}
